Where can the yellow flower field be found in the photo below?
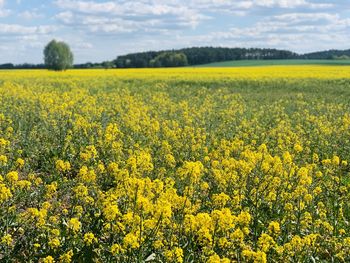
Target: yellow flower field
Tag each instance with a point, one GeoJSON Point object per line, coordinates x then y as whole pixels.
{"type": "Point", "coordinates": [204, 74]}
{"type": "Point", "coordinates": [175, 165]}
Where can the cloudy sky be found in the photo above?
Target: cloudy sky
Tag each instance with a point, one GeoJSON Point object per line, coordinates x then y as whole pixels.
{"type": "Point", "coordinates": [100, 30]}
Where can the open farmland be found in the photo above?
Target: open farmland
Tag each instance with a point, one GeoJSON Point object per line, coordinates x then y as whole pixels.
{"type": "Point", "coordinates": [175, 165]}
{"type": "Point", "coordinates": [280, 62]}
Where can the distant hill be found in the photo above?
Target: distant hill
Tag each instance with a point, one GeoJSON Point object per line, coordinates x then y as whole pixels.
{"type": "Point", "coordinates": [252, 63]}
{"type": "Point", "coordinates": [328, 54]}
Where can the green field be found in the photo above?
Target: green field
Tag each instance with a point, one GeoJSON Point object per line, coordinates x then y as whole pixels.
{"type": "Point", "coordinates": [247, 63]}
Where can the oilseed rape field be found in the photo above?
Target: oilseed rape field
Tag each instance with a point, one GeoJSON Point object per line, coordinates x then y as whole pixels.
{"type": "Point", "coordinates": [175, 165]}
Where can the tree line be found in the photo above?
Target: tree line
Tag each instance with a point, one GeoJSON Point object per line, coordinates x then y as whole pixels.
{"type": "Point", "coordinates": [328, 54]}
{"type": "Point", "coordinates": [198, 55]}
{"type": "Point", "coordinates": [58, 56]}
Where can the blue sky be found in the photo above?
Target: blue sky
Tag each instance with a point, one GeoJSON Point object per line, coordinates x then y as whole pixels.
{"type": "Point", "coordinates": [100, 30]}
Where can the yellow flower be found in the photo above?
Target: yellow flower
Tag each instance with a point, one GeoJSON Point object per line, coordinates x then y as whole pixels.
{"type": "Point", "coordinates": [265, 242]}
{"type": "Point", "coordinates": [342, 231]}
{"type": "Point", "coordinates": [24, 184]}
{"type": "Point", "coordinates": [158, 244]}
{"type": "Point", "coordinates": [260, 257]}
{"type": "Point", "coordinates": [274, 228]}
{"type": "Point", "coordinates": [298, 148]}
{"type": "Point", "coordinates": [88, 153]}
{"type": "Point", "coordinates": [62, 166]}
{"type": "Point", "coordinates": [170, 160]}
{"type": "Point", "coordinates": [86, 175]}
{"type": "Point", "coordinates": [12, 177]}
{"type": "Point", "coordinates": [205, 186]}
{"type": "Point", "coordinates": [178, 254]}
{"type": "Point", "coordinates": [3, 159]}
{"type": "Point", "coordinates": [326, 161]}
{"type": "Point", "coordinates": [66, 257]}
{"type": "Point", "coordinates": [51, 189]}
{"type": "Point", "coordinates": [89, 238]}
{"type": "Point", "coordinates": [74, 224]}
{"type": "Point", "coordinates": [244, 218]}
{"type": "Point", "coordinates": [6, 240]}
{"type": "Point", "coordinates": [54, 243]}
{"type": "Point", "coordinates": [110, 212]}
{"type": "Point", "coordinates": [335, 160]}
{"type": "Point", "coordinates": [287, 158]}
{"type": "Point", "coordinates": [4, 142]}
{"type": "Point", "coordinates": [220, 200]}
{"type": "Point", "coordinates": [115, 249]}
{"type": "Point", "coordinates": [55, 232]}
{"type": "Point", "coordinates": [48, 259]}
{"type": "Point", "coordinates": [308, 198]}
{"type": "Point", "coordinates": [101, 168]}
{"type": "Point", "coordinates": [36, 246]}
{"type": "Point", "coordinates": [174, 255]}
{"type": "Point", "coordinates": [20, 162]}
{"type": "Point", "coordinates": [81, 191]}
{"type": "Point", "coordinates": [237, 235]}
{"type": "Point", "coordinates": [256, 257]}
{"type": "Point", "coordinates": [191, 171]}
{"type": "Point", "coordinates": [5, 193]}
{"type": "Point", "coordinates": [317, 190]}
{"type": "Point", "coordinates": [131, 241]}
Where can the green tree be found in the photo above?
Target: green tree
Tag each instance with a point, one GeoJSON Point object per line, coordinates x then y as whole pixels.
{"type": "Point", "coordinates": [58, 56]}
{"type": "Point", "coordinates": [107, 64]}
{"type": "Point", "coordinates": [342, 57]}
{"type": "Point", "coordinates": [169, 59]}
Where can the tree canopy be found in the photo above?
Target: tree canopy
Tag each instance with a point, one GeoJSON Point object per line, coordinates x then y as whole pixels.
{"type": "Point", "coordinates": [58, 56]}
{"type": "Point", "coordinates": [197, 56]}
{"type": "Point", "coordinates": [169, 59]}
{"type": "Point", "coordinates": [327, 54]}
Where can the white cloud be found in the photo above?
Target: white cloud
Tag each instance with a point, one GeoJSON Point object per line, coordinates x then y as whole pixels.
{"type": "Point", "coordinates": [15, 29]}
{"type": "Point", "coordinates": [290, 4]}
{"type": "Point", "coordinates": [248, 4]}
{"type": "Point", "coordinates": [30, 15]}
{"type": "Point", "coordinates": [3, 12]}
{"type": "Point", "coordinates": [251, 5]}
{"type": "Point", "coordinates": [128, 8]}
{"type": "Point", "coordinates": [83, 45]}
{"type": "Point", "coordinates": [128, 16]}
{"type": "Point", "coordinates": [304, 17]}
{"type": "Point", "coordinates": [66, 17]}
{"type": "Point", "coordinates": [296, 31]}
{"type": "Point", "coordinates": [163, 15]}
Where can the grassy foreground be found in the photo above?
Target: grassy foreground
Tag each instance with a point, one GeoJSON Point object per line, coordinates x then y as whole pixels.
{"type": "Point", "coordinates": [281, 62]}
{"type": "Point", "coordinates": [175, 165]}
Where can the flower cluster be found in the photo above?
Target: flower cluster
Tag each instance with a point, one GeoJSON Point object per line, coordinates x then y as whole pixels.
{"type": "Point", "coordinates": [234, 165]}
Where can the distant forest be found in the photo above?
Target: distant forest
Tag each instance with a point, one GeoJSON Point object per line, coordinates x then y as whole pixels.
{"type": "Point", "coordinates": [201, 55]}
{"type": "Point", "coordinates": [194, 56]}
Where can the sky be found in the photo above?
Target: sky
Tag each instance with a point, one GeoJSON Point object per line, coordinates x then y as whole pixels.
{"type": "Point", "coordinates": [99, 30]}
